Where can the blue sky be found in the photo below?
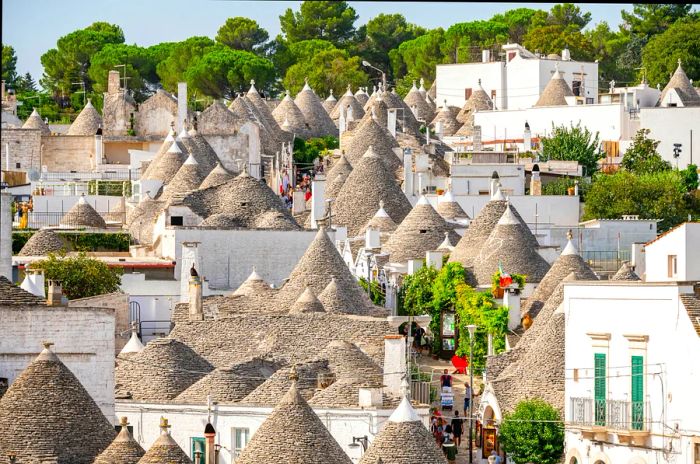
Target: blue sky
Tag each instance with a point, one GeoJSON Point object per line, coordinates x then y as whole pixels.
{"type": "Point", "coordinates": [33, 26]}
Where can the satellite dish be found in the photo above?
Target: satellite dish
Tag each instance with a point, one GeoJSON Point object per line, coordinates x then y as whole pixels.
{"type": "Point", "coordinates": [33, 175]}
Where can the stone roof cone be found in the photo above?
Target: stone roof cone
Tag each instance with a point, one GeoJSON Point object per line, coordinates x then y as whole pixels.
{"type": "Point", "coordinates": [330, 102]}
{"type": "Point", "coordinates": [422, 230]}
{"type": "Point", "coordinates": [555, 91]}
{"type": "Point", "coordinates": [219, 175]}
{"type": "Point", "coordinates": [188, 178]}
{"type": "Point", "coordinates": [87, 122]}
{"type": "Point", "coordinates": [625, 273]}
{"type": "Point", "coordinates": [161, 371]}
{"type": "Point", "coordinates": [415, 98]}
{"type": "Point", "coordinates": [253, 285]}
{"type": "Point", "coordinates": [43, 242]}
{"type": "Point", "coordinates": [477, 101]}
{"type": "Point", "coordinates": [83, 215]}
{"type": "Point", "coordinates": [34, 121]}
{"type": "Point", "coordinates": [307, 303]}
{"type": "Point", "coordinates": [348, 99]}
{"type": "Point", "coordinates": [123, 450]}
{"type": "Point", "coordinates": [381, 221]}
{"type": "Point", "coordinates": [271, 137]}
{"type": "Point", "coordinates": [361, 96]}
{"type": "Point", "coordinates": [446, 244]}
{"type": "Point", "coordinates": [404, 440]}
{"type": "Point", "coordinates": [469, 246]}
{"type": "Point", "coordinates": [315, 268]}
{"type": "Point", "coordinates": [46, 413]}
{"type": "Point", "coordinates": [369, 183]}
{"type": "Point", "coordinates": [570, 261]}
{"type": "Point", "coordinates": [263, 111]}
{"type": "Point", "coordinates": [149, 172]}
{"type": "Point", "coordinates": [378, 110]}
{"type": "Point", "coordinates": [432, 91]}
{"type": "Point", "coordinates": [508, 245]}
{"type": "Point", "coordinates": [448, 207]}
{"type": "Point", "coordinates": [134, 344]}
{"type": "Point", "coordinates": [337, 176]}
{"type": "Point", "coordinates": [320, 124]}
{"type": "Point", "coordinates": [293, 433]}
{"type": "Point", "coordinates": [287, 112]}
{"type": "Point", "coordinates": [165, 449]}
{"type": "Point", "coordinates": [226, 384]}
{"type": "Point", "coordinates": [369, 133]}
{"type": "Point", "coordinates": [165, 167]}
{"type": "Point", "coordinates": [197, 146]}
{"type": "Point", "coordinates": [450, 125]}
{"type": "Point", "coordinates": [680, 82]}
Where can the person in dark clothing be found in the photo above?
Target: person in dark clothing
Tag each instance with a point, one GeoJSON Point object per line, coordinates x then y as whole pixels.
{"type": "Point", "coordinates": [450, 451]}
{"type": "Point", "coordinates": [457, 428]}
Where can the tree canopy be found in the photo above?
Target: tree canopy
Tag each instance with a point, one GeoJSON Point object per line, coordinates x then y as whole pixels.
{"type": "Point", "coordinates": [333, 21]}
{"type": "Point", "coordinates": [242, 34]}
{"type": "Point", "coordinates": [9, 64]}
{"type": "Point", "coordinates": [533, 433]}
{"type": "Point", "coordinates": [574, 143]}
{"type": "Point", "coordinates": [80, 276]}
{"type": "Point", "coordinates": [642, 157]}
{"type": "Point", "coordinates": [326, 69]}
{"type": "Point", "coordinates": [681, 41]}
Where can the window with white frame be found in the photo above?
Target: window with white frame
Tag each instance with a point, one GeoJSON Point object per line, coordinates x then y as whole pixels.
{"type": "Point", "coordinates": [239, 438]}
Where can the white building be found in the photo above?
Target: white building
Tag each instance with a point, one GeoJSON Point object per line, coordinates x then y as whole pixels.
{"type": "Point", "coordinates": [632, 371]}
{"type": "Point", "coordinates": [517, 82]}
{"type": "Point", "coordinates": [673, 256]}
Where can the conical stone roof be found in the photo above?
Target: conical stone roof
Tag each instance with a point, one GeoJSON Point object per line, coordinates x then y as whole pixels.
{"type": "Point", "coordinates": [12, 295]}
{"type": "Point", "coordinates": [432, 91]}
{"type": "Point", "coordinates": [307, 303]}
{"type": "Point", "coordinates": [316, 267]}
{"type": "Point", "coordinates": [555, 92]}
{"type": "Point", "coordinates": [263, 110]}
{"type": "Point", "coordinates": [123, 450]}
{"type": "Point", "coordinates": [163, 370]}
{"type": "Point", "coordinates": [165, 167]}
{"type": "Point", "coordinates": [567, 263]}
{"type": "Point", "coordinates": [43, 242]}
{"type": "Point", "coordinates": [369, 183]}
{"type": "Point", "coordinates": [47, 416]}
{"type": "Point", "coordinates": [276, 387]}
{"type": "Point", "coordinates": [422, 230]}
{"type": "Point", "coordinates": [34, 121]}
{"type": "Point", "coordinates": [685, 90]}
{"type": "Point", "coordinates": [83, 215]}
{"type": "Point", "coordinates": [381, 221]}
{"type": "Point", "coordinates": [217, 176]}
{"type": "Point", "coordinates": [337, 176]}
{"type": "Point", "coordinates": [188, 178]}
{"type": "Point", "coordinates": [196, 144]}
{"type": "Point", "coordinates": [165, 449]}
{"type": "Point", "coordinates": [625, 273]}
{"type": "Point", "coordinates": [477, 101]}
{"type": "Point", "coordinates": [227, 384]}
{"type": "Point", "coordinates": [217, 119]}
{"type": "Point", "coordinates": [361, 96]}
{"type": "Point", "coordinates": [448, 207]}
{"type": "Point", "coordinates": [449, 122]}
{"type": "Point", "coordinates": [404, 440]}
{"type": "Point", "coordinates": [370, 134]}
{"type": "Point", "coordinates": [253, 285]}
{"type": "Point", "coordinates": [377, 110]}
{"type": "Point", "coordinates": [271, 138]}
{"type": "Point", "coordinates": [149, 172]}
{"type": "Point", "coordinates": [320, 124]}
{"type": "Point", "coordinates": [329, 103]}
{"type": "Point", "coordinates": [87, 122]}
{"type": "Point", "coordinates": [287, 112]}
{"type": "Point", "coordinates": [508, 245]}
{"type": "Point", "coordinates": [414, 98]}
{"type": "Point", "coordinates": [348, 100]}
{"type": "Point", "coordinates": [293, 433]}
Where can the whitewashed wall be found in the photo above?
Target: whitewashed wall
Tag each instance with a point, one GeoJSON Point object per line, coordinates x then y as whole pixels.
{"type": "Point", "coordinates": [674, 125]}
{"type": "Point", "coordinates": [684, 243]}
{"type": "Point", "coordinates": [453, 79]}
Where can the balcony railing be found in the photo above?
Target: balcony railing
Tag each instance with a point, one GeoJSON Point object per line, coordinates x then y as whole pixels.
{"type": "Point", "coordinates": [610, 414]}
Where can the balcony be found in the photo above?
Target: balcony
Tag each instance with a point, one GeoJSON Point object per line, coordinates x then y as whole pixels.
{"type": "Point", "coordinates": [630, 420]}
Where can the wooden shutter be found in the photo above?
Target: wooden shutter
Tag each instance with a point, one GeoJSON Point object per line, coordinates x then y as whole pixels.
{"type": "Point", "coordinates": [467, 93]}
{"type": "Point", "coordinates": [637, 392]}
{"type": "Point", "coordinates": [600, 388]}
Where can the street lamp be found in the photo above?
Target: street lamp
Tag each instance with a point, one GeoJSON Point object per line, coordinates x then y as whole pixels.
{"type": "Point", "coordinates": [368, 65]}
{"type": "Point", "coordinates": [368, 256]}
{"type": "Point", "coordinates": [471, 328]}
{"type": "Point", "coordinates": [359, 441]}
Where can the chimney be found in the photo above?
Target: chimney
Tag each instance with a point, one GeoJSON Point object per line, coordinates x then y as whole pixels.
{"type": "Point", "coordinates": [414, 265]}
{"type": "Point", "coordinates": [566, 55]}
{"type": "Point", "coordinates": [189, 258]}
{"type": "Point", "coordinates": [348, 115]}
{"type": "Point", "coordinates": [527, 138]}
{"type": "Point", "coordinates": [511, 299]}
{"type": "Point", "coordinates": [535, 182]}
{"type": "Point", "coordinates": [372, 239]}
{"type": "Point", "coordinates": [209, 452]}
{"type": "Point", "coordinates": [391, 121]}
{"type": "Point", "coordinates": [55, 297]}
{"type": "Point", "coordinates": [98, 146]}
{"type": "Point", "coordinates": [407, 172]}
{"type": "Point", "coordinates": [495, 181]}
{"type": "Point", "coordinates": [342, 124]}
{"type": "Point", "coordinates": [318, 201]}
{"type": "Point", "coordinates": [478, 146]}
{"type": "Point", "coordinates": [370, 397]}
{"type": "Point", "coordinates": [195, 292]}
{"type": "Point", "coordinates": [434, 258]}
{"type": "Point", "coordinates": [181, 105]}
{"type": "Point", "coordinates": [485, 56]}
{"type": "Point", "coordinates": [394, 363]}
{"type": "Point", "coordinates": [113, 82]}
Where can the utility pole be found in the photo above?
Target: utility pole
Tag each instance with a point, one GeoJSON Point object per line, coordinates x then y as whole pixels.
{"type": "Point", "coordinates": [471, 328]}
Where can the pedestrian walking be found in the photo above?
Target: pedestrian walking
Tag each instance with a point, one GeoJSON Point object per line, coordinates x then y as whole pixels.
{"type": "Point", "coordinates": [457, 428]}
{"type": "Point", "coordinates": [450, 451]}
{"type": "Point", "coordinates": [446, 379]}
{"type": "Point", "coordinates": [467, 397]}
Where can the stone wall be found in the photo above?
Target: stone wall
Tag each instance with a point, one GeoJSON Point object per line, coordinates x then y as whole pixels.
{"type": "Point", "coordinates": [83, 338]}
{"type": "Point", "coordinates": [156, 114]}
{"type": "Point", "coordinates": [119, 302]}
{"type": "Point", "coordinates": [230, 148]}
{"type": "Point", "coordinates": [25, 149]}
{"type": "Point", "coordinates": [69, 152]}
{"type": "Point", "coordinates": [117, 113]}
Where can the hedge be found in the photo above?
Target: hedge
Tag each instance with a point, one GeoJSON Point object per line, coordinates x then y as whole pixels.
{"type": "Point", "coordinates": [80, 242]}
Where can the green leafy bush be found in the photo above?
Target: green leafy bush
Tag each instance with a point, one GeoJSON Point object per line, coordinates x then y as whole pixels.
{"type": "Point", "coordinates": [533, 433]}
{"type": "Point", "coordinates": [376, 294]}
{"type": "Point", "coordinates": [561, 186]}
{"type": "Point", "coordinates": [80, 242]}
{"type": "Point", "coordinates": [80, 276]}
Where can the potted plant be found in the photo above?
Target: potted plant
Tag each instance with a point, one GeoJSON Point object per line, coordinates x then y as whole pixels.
{"type": "Point", "coordinates": [498, 285]}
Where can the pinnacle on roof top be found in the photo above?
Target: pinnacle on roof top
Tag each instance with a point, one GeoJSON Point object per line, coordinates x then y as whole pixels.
{"type": "Point", "coordinates": [174, 148]}
{"type": "Point", "coordinates": [190, 160]}
{"type": "Point", "coordinates": [183, 134]}
{"type": "Point", "coordinates": [134, 344]}
{"type": "Point", "coordinates": [508, 217]}
{"type": "Point", "coordinates": [331, 98]}
{"type": "Point", "coordinates": [404, 412]}
{"type": "Point", "coordinates": [498, 196]}
{"type": "Point", "coordinates": [570, 249]}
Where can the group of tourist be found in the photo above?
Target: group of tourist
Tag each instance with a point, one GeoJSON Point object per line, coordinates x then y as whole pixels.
{"type": "Point", "coordinates": [287, 190]}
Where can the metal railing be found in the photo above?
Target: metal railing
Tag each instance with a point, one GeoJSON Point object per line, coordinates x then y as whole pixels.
{"type": "Point", "coordinates": [37, 220]}
{"type": "Point", "coordinates": [611, 414]}
{"type": "Point", "coordinates": [605, 262]}
{"type": "Point", "coordinates": [68, 176]}
{"type": "Point", "coordinates": [153, 329]}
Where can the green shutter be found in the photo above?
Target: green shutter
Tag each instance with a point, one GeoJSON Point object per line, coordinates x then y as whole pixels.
{"type": "Point", "coordinates": [600, 388]}
{"type": "Point", "coordinates": [637, 392]}
{"type": "Point", "coordinates": [198, 443]}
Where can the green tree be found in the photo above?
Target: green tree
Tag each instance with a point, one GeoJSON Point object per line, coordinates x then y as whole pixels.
{"type": "Point", "coordinates": [690, 177]}
{"type": "Point", "coordinates": [608, 46]}
{"type": "Point", "coordinates": [376, 294]}
{"type": "Point", "coordinates": [242, 34]}
{"type": "Point", "coordinates": [25, 84]}
{"type": "Point", "coordinates": [140, 68]}
{"type": "Point", "coordinates": [418, 292]}
{"type": "Point", "coordinates": [533, 432]}
{"type": "Point", "coordinates": [418, 57]}
{"type": "Point", "coordinates": [519, 21]}
{"type": "Point", "coordinates": [568, 14]}
{"type": "Point", "coordinates": [222, 72]}
{"type": "Point", "coordinates": [306, 151]}
{"type": "Point", "coordinates": [333, 21]}
{"type": "Point", "coordinates": [70, 61]}
{"type": "Point", "coordinates": [574, 143]}
{"type": "Point", "coordinates": [9, 65]}
{"type": "Point", "coordinates": [681, 41]}
{"type": "Point", "coordinates": [182, 55]}
{"type": "Point", "coordinates": [649, 19]}
{"type": "Point", "coordinates": [642, 157]}
{"type": "Point", "coordinates": [463, 42]}
{"type": "Point", "coordinates": [553, 38]}
{"type": "Point", "coordinates": [80, 276]}
{"type": "Point", "coordinates": [444, 291]}
{"type": "Point", "coordinates": [328, 69]}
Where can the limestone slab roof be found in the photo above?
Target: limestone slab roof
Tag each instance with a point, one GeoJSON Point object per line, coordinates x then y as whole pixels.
{"type": "Point", "coordinates": [271, 138]}
{"type": "Point", "coordinates": [508, 245]}
{"type": "Point", "coordinates": [165, 450]}
{"type": "Point", "coordinates": [287, 112]}
{"type": "Point", "coordinates": [692, 306]}
{"type": "Point", "coordinates": [12, 295]}
{"type": "Point", "coordinates": [432, 91]}
{"type": "Point", "coordinates": [423, 109]}
{"type": "Point", "coordinates": [43, 242]}
{"type": "Point", "coordinates": [165, 166]}
{"type": "Point", "coordinates": [83, 215]}
{"type": "Point", "coordinates": [272, 390]}
{"type": "Point", "coordinates": [320, 124]}
{"type": "Point", "coordinates": [123, 450]}
{"type": "Point", "coordinates": [217, 119]}
{"type": "Point", "coordinates": [422, 230]}
{"type": "Point", "coordinates": [337, 176]}
{"type": "Point", "coordinates": [307, 302]}
{"type": "Point", "coordinates": [217, 176]}
{"type": "Point", "coordinates": [381, 221]}
{"type": "Point", "coordinates": [361, 96]}
{"type": "Point", "coordinates": [142, 218]}
{"type": "Point", "coordinates": [555, 92]}
{"type": "Point", "coordinates": [369, 183]}
{"type": "Point", "coordinates": [369, 133]}
{"type": "Point", "coordinates": [293, 434]}
{"type": "Point", "coordinates": [448, 207]}
{"type": "Point", "coordinates": [477, 101]}
{"type": "Point", "coordinates": [330, 102]}
{"type": "Point", "coordinates": [87, 122]}
{"type": "Point", "coordinates": [404, 439]}
{"type": "Point", "coordinates": [263, 111]}
{"type": "Point", "coordinates": [348, 100]}
{"type": "Point", "coordinates": [196, 145]}
{"type": "Point", "coordinates": [46, 415]}
{"type": "Point", "coordinates": [684, 88]}
{"type": "Point", "coordinates": [34, 121]}
{"type": "Point", "coordinates": [447, 118]}
{"type": "Point", "coordinates": [188, 178]}
{"type": "Point", "coordinates": [625, 273]}
{"type": "Point", "coordinates": [161, 371]}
